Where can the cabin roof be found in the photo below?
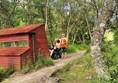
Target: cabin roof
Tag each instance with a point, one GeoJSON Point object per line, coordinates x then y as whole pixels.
{"type": "Point", "coordinates": [19, 30]}
{"type": "Point", "coordinates": [13, 51]}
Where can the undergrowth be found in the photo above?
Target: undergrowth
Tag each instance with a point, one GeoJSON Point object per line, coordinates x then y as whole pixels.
{"type": "Point", "coordinates": [76, 47]}
{"type": "Point", "coordinates": [110, 52]}
{"type": "Point", "coordinates": [40, 62]}
{"type": "Point", "coordinates": [4, 73]}
{"type": "Point", "coordinates": [79, 70]}
{"type": "Point", "coordinates": [43, 61]}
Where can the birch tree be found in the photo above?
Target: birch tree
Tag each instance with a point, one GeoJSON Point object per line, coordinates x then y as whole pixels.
{"type": "Point", "coordinates": [97, 37]}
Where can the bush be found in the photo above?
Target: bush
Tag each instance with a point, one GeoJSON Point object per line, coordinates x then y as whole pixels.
{"type": "Point", "coordinates": [2, 73]}
{"type": "Point", "coordinates": [10, 70]}
{"type": "Point", "coordinates": [116, 37]}
{"type": "Point", "coordinates": [6, 72]}
{"type": "Point", "coordinates": [48, 61]}
{"type": "Point", "coordinates": [43, 61]}
{"type": "Point", "coordinates": [39, 63]}
{"type": "Point", "coordinates": [26, 68]}
{"type": "Point", "coordinates": [110, 52]}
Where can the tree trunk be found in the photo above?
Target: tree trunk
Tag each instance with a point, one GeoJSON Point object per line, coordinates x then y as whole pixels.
{"type": "Point", "coordinates": [97, 36]}
{"type": "Point", "coordinates": [88, 27]}
{"type": "Point", "coordinates": [75, 35]}
{"type": "Point", "coordinates": [68, 26]}
{"type": "Point", "coordinates": [82, 36]}
{"type": "Point", "coordinates": [46, 15]}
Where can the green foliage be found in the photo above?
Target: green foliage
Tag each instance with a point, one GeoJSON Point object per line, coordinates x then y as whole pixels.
{"type": "Point", "coordinates": [10, 70]}
{"type": "Point", "coordinates": [2, 73]}
{"type": "Point", "coordinates": [116, 37]}
{"type": "Point", "coordinates": [26, 68]}
{"type": "Point", "coordinates": [2, 70]}
{"type": "Point", "coordinates": [40, 62]}
{"type": "Point", "coordinates": [76, 47]}
{"type": "Point", "coordinates": [48, 61]}
{"type": "Point", "coordinates": [43, 61]}
{"type": "Point", "coordinates": [26, 12]}
{"type": "Point", "coordinates": [110, 52]}
{"type": "Point", "coordinates": [79, 70]}
{"type": "Point", "coordinates": [38, 20]}
{"type": "Point", "coordinates": [14, 44]}
{"type": "Point", "coordinates": [6, 72]}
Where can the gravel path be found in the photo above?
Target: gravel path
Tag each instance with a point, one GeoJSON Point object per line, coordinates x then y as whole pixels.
{"type": "Point", "coordinates": [43, 75]}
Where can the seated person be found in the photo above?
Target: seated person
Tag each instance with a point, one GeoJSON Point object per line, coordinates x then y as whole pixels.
{"type": "Point", "coordinates": [55, 49]}
{"type": "Point", "coordinates": [58, 43]}
{"type": "Point", "coordinates": [58, 47]}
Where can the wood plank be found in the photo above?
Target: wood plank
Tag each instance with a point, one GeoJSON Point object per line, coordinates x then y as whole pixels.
{"type": "Point", "coordinates": [6, 61]}
{"type": "Point", "coordinates": [13, 38]}
{"type": "Point", "coordinates": [13, 51]}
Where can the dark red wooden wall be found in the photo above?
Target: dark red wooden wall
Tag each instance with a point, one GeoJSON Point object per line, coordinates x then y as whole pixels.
{"type": "Point", "coordinates": [13, 38]}
{"type": "Point", "coordinates": [37, 45]}
{"type": "Point", "coordinates": [40, 41]}
{"type": "Point", "coordinates": [6, 62]}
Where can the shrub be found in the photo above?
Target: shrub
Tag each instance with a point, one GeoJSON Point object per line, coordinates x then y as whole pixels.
{"type": "Point", "coordinates": [6, 72]}
{"type": "Point", "coordinates": [110, 52]}
{"type": "Point", "coordinates": [43, 61]}
{"type": "Point", "coordinates": [26, 68]}
{"type": "Point", "coordinates": [48, 62]}
{"type": "Point", "coordinates": [39, 62]}
{"type": "Point", "coordinates": [2, 73]}
{"type": "Point", "coordinates": [10, 70]}
{"type": "Point", "coordinates": [116, 37]}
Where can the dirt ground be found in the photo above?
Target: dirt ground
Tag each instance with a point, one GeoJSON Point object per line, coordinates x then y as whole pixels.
{"type": "Point", "coordinates": [42, 75]}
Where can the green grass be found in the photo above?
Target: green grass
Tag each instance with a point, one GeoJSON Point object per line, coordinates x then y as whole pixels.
{"type": "Point", "coordinates": [4, 73]}
{"type": "Point", "coordinates": [40, 62]}
{"type": "Point", "coordinates": [82, 69]}
{"type": "Point", "coordinates": [79, 70]}
{"type": "Point", "coordinates": [76, 47]}
{"type": "Point", "coordinates": [43, 61]}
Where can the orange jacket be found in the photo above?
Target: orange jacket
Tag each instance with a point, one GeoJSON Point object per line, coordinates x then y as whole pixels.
{"type": "Point", "coordinates": [63, 42]}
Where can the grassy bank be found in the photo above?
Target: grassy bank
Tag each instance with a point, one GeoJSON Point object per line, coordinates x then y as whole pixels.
{"type": "Point", "coordinates": [79, 70]}
{"type": "Point", "coordinates": [82, 70]}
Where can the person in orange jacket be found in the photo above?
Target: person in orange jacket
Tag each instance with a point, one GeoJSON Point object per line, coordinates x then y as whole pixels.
{"type": "Point", "coordinates": [63, 45]}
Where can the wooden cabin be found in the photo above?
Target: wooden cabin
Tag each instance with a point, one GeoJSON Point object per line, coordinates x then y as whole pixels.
{"type": "Point", "coordinates": [34, 35]}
